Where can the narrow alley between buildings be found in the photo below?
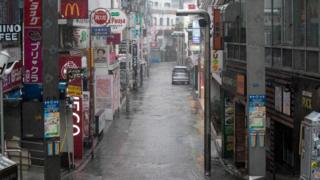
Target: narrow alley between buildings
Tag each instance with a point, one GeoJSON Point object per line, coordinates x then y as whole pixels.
{"type": "Point", "coordinates": [161, 137]}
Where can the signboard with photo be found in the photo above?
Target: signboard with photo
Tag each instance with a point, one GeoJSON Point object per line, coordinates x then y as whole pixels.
{"type": "Point", "coordinates": [101, 56]}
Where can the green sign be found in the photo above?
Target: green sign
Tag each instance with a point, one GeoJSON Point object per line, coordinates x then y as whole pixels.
{"type": "Point", "coordinates": [115, 14]}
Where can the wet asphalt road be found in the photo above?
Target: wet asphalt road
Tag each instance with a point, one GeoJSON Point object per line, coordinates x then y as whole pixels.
{"type": "Point", "coordinates": [161, 138]}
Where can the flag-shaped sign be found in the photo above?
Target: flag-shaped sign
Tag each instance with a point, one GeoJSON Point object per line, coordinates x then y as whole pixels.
{"type": "Point", "coordinates": [74, 9]}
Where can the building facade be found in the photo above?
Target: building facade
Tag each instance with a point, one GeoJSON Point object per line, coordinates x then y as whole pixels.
{"type": "Point", "coordinates": [292, 78]}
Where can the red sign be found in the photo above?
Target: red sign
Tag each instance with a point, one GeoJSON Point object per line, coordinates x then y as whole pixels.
{"type": "Point", "coordinates": [74, 9]}
{"type": "Point", "coordinates": [101, 17]}
{"type": "Point", "coordinates": [14, 79]}
{"type": "Point", "coordinates": [69, 62]}
{"type": "Point", "coordinates": [217, 32]}
{"type": "Point", "coordinates": [33, 55]}
{"type": "Point", "coordinates": [114, 39]}
{"type": "Point", "coordinates": [32, 13]}
{"type": "Point", "coordinates": [191, 6]}
{"type": "Point", "coordinates": [77, 127]}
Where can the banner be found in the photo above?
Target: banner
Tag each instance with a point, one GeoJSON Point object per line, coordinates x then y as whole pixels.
{"type": "Point", "coordinates": [33, 41]}
{"type": "Point", "coordinates": [74, 9]}
{"type": "Point", "coordinates": [33, 55]}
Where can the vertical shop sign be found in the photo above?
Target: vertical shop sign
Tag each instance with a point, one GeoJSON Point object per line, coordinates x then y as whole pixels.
{"type": "Point", "coordinates": [77, 127]}
{"type": "Point", "coordinates": [257, 112]}
{"type": "Point", "coordinates": [217, 37]}
{"type": "Point", "coordinates": [33, 41]}
{"type": "Point", "coordinates": [51, 119]}
{"type": "Point", "coordinates": [240, 84]}
{"type": "Point", "coordinates": [32, 13]}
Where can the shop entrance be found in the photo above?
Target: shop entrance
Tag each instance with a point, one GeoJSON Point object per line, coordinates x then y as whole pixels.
{"type": "Point", "coordinates": [240, 155]}
{"type": "Point", "coordinates": [283, 146]}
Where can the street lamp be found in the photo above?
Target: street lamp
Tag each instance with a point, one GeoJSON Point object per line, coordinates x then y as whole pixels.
{"type": "Point", "coordinates": [6, 66]}
{"type": "Point", "coordinates": [207, 128]}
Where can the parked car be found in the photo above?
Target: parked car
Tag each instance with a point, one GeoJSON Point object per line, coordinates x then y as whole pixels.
{"type": "Point", "coordinates": [180, 74]}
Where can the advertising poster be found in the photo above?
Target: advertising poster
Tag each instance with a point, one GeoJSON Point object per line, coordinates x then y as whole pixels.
{"type": "Point", "coordinates": [51, 119]}
{"type": "Point", "coordinates": [101, 56]}
{"type": "Point", "coordinates": [103, 92]}
{"type": "Point", "coordinates": [257, 112]}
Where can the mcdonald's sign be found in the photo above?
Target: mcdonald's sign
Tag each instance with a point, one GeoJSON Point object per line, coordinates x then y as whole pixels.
{"type": "Point", "coordinates": [74, 9]}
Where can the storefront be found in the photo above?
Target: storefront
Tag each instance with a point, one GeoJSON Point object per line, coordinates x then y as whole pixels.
{"type": "Point", "coordinates": [234, 124]}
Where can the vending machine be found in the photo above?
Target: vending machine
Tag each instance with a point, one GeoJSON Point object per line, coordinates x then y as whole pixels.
{"type": "Point", "coordinates": [310, 147]}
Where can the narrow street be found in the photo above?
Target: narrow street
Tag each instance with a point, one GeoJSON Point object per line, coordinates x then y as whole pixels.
{"type": "Point", "coordinates": [160, 138]}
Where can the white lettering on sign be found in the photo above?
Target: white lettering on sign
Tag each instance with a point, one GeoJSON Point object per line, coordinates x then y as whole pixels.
{"type": "Point", "coordinates": [76, 106]}
{"type": "Point", "coordinates": [35, 46]}
{"type": "Point", "coordinates": [9, 32]}
{"type": "Point", "coordinates": [34, 8]}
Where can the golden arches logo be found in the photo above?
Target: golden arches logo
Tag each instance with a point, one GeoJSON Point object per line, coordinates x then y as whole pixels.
{"type": "Point", "coordinates": [72, 7]}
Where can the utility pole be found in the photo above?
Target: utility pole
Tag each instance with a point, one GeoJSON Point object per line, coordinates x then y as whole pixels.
{"type": "Point", "coordinates": [255, 87]}
{"type": "Point", "coordinates": [50, 34]}
{"type": "Point", "coordinates": [205, 23]}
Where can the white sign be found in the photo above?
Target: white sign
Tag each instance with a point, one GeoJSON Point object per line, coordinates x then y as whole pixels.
{"type": "Point", "coordinates": [9, 32]}
{"type": "Point", "coordinates": [118, 20]}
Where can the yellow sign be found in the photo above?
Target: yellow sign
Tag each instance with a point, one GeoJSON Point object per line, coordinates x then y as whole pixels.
{"type": "Point", "coordinates": [74, 90]}
{"type": "Point", "coordinates": [71, 7]}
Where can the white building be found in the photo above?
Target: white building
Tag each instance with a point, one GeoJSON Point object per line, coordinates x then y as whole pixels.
{"type": "Point", "coordinates": [163, 14]}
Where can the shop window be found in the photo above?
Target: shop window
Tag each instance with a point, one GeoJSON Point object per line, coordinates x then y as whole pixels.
{"type": "Point", "coordinates": [243, 23]}
{"type": "Point", "coordinates": [313, 62]}
{"type": "Point", "coordinates": [287, 58]}
{"type": "Point", "coordinates": [161, 21]}
{"type": "Point", "coordinates": [267, 22]}
{"type": "Point", "coordinates": [299, 60]}
{"type": "Point", "coordinates": [299, 22]}
{"type": "Point", "coordinates": [276, 56]}
{"type": "Point", "coordinates": [268, 58]}
{"type": "Point", "coordinates": [231, 51]}
{"type": "Point", "coordinates": [313, 11]}
{"type": "Point", "coordinates": [243, 53]}
{"type": "Point", "coordinates": [277, 25]}
{"type": "Point", "coordinates": [237, 52]}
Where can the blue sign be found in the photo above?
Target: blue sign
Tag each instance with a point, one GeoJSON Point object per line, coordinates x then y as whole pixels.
{"type": "Point", "coordinates": [51, 119]}
{"type": "Point", "coordinates": [101, 30]}
{"type": "Point", "coordinates": [257, 112]}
